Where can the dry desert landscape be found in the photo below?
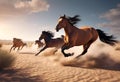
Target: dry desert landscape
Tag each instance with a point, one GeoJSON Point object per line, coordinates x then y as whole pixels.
{"type": "Point", "coordinates": [100, 64]}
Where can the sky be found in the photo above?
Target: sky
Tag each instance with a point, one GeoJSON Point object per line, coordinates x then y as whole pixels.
{"type": "Point", "coordinates": [26, 19]}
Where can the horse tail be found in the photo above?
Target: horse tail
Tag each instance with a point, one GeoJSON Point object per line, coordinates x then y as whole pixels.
{"type": "Point", "coordinates": [105, 38]}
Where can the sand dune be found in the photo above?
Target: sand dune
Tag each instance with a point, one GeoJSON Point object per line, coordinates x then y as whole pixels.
{"type": "Point", "coordinates": [100, 64]}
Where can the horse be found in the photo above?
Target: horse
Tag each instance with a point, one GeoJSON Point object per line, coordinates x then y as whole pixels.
{"type": "Point", "coordinates": [17, 43]}
{"type": "Point", "coordinates": [50, 41]}
{"type": "Point", "coordinates": [40, 44]}
{"type": "Point", "coordinates": [85, 36]}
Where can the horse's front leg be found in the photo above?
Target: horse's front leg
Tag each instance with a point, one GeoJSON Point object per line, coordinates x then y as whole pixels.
{"type": "Point", "coordinates": [18, 49]}
{"type": "Point", "coordinates": [11, 48]}
{"type": "Point", "coordinates": [55, 51]}
{"type": "Point", "coordinates": [64, 47]}
{"type": "Point", "coordinates": [14, 48]}
{"type": "Point", "coordinates": [41, 50]}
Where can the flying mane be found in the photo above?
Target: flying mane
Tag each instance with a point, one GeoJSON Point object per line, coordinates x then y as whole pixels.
{"type": "Point", "coordinates": [48, 33]}
{"type": "Point", "coordinates": [73, 20]}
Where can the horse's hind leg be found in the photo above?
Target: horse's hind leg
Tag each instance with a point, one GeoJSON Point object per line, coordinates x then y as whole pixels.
{"type": "Point", "coordinates": [11, 48]}
{"type": "Point", "coordinates": [85, 47]}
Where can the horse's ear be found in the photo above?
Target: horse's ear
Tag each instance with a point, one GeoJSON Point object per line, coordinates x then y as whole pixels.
{"type": "Point", "coordinates": [43, 31]}
{"type": "Point", "coordinates": [64, 16]}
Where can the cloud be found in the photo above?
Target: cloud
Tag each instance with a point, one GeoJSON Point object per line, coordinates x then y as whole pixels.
{"type": "Point", "coordinates": [113, 17]}
{"type": "Point", "coordinates": [19, 7]}
{"type": "Point", "coordinates": [32, 6]}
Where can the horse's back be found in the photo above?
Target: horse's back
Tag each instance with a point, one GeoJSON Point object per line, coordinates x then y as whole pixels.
{"type": "Point", "coordinates": [57, 42]}
{"type": "Point", "coordinates": [17, 42]}
{"type": "Point", "coordinates": [90, 30]}
{"type": "Point", "coordinates": [85, 27]}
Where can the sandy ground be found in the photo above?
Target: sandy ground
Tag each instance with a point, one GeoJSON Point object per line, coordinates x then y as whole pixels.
{"type": "Point", "coordinates": [100, 64]}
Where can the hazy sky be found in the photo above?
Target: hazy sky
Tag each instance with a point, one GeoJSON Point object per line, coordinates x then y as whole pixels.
{"type": "Point", "coordinates": [26, 19]}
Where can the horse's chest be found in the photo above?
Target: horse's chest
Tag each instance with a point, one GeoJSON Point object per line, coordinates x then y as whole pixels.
{"type": "Point", "coordinates": [66, 39]}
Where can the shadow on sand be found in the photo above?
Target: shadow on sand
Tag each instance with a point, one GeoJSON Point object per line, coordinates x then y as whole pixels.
{"type": "Point", "coordinates": [17, 75]}
{"type": "Point", "coordinates": [103, 61]}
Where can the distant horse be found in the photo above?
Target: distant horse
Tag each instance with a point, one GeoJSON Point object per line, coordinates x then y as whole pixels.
{"type": "Point", "coordinates": [84, 36]}
{"type": "Point", "coordinates": [17, 43]}
{"type": "Point", "coordinates": [40, 44]}
{"type": "Point", "coordinates": [49, 41]}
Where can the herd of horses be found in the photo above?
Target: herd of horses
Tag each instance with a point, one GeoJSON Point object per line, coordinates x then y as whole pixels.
{"type": "Point", "coordinates": [74, 36]}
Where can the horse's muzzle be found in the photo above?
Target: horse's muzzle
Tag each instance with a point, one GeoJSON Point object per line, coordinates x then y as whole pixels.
{"type": "Point", "coordinates": [57, 29]}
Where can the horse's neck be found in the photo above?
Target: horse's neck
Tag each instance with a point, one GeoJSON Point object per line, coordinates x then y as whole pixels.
{"type": "Point", "coordinates": [69, 29]}
{"type": "Point", "coordinates": [47, 39]}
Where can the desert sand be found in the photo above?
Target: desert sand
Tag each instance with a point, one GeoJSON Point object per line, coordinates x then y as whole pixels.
{"type": "Point", "coordinates": [100, 64]}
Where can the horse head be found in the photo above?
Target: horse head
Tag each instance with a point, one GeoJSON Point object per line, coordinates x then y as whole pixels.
{"type": "Point", "coordinates": [36, 41]}
{"type": "Point", "coordinates": [46, 35]}
{"type": "Point", "coordinates": [61, 23]}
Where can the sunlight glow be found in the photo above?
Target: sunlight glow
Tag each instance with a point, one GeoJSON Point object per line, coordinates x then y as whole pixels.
{"type": "Point", "coordinates": [5, 32]}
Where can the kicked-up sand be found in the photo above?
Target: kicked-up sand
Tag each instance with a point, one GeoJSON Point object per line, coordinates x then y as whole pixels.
{"type": "Point", "coordinates": [100, 64]}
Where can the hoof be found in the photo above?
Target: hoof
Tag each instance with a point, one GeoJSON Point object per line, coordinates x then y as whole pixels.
{"type": "Point", "coordinates": [78, 56]}
{"type": "Point", "coordinates": [72, 54]}
{"type": "Point", "coordinates": [69, 54]}
{"type": "Point", "coordinates": [36, 54]}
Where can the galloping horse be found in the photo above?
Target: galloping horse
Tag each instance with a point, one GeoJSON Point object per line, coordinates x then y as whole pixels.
{"type": "Point", "coordinates": [17, 43]}
{"type": "Point", "coordinates": [49, 41]}
{"type": "Point", "coordinates": [40, 44]}
{"type": "Point", "coordinates": [84, 36]}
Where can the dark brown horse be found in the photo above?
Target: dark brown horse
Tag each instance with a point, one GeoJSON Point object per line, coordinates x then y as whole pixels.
{"type": "Point", "coordinates": [50, 41]}
{"type": "Point", "coordinates": [84, 36]}
{"type": "Point", "coordinates": [40, 44]}
{"type": "Point", "coordinates": [17, 43]}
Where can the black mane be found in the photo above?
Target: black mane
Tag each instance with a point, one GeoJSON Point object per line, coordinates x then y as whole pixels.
{"type": "Point", "coordinates": [48, 33]}
{"type": "Point", "coordinates": [73, 20]}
